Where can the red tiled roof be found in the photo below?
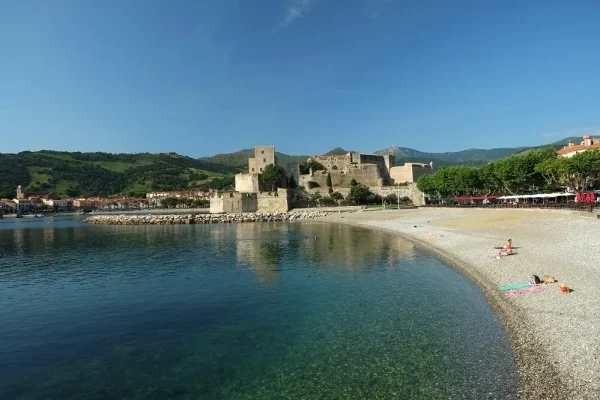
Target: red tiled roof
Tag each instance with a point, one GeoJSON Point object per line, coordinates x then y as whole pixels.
{"type": "Point", "coordinates": [580, 147]}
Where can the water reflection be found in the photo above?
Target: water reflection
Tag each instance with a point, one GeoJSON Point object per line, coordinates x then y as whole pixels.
{"type": "Point", "coordinates": [262, 247]}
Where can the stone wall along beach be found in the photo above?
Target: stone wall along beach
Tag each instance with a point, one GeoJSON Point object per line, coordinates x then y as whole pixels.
{"type": "Point", "coordinates": [205, 218]}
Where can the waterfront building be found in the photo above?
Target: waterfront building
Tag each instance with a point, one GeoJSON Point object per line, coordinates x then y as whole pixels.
{"type": "Point", "coordinates": [588, 143]}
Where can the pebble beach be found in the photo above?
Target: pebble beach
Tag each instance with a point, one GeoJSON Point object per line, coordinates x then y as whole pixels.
{"type": "Point", "coordinates": [555, 336]}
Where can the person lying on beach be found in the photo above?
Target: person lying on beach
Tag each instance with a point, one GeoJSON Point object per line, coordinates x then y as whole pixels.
{"type": "Point", "coordinates": [506, 250]}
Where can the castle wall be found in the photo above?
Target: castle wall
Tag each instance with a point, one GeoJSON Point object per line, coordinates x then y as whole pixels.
{"type": "Point", "coordinates": [247, 183]}
{"type": "Point", "coordinates": [366, 174]}
{"type": "Point", "coordinates": [274, 201]}
{"type": "Point", "coordinates": [410, 172]}
{"type": "Point", "coordinates": [233, 202]}
{"type": "Point", "coordinates": [411, 191]}
{"type": "Point", "coordinates": [252, 166]}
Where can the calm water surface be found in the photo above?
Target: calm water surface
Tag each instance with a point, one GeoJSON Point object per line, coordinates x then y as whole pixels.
{"type": "Point", "coordinates": [248, 311]}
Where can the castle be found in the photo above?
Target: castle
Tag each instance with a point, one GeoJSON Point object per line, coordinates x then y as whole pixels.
{"type": "Point", "coordinates": [369, 169]}
{"type": "Point", "coordinates": [250, 195]}
{"type": "Point", "coordinates": [375, 171]}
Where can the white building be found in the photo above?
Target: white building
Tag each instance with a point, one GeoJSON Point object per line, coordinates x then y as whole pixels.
{"type": "Point", "coordinates": [588, 143]}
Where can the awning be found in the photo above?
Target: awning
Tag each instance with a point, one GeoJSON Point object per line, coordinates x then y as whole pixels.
{"type": "Point", "coordinates": [536, 196]}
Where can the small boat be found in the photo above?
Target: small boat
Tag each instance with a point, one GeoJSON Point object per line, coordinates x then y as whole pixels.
{"type": "Point", "coordinates": [40, 215]}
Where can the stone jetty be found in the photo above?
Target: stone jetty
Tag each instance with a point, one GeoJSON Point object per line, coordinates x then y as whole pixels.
{"type": "Point", "coordinates": [205, 218]}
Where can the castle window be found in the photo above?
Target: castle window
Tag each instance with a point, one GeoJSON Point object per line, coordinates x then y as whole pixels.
{"type": "Point", "coordinates": [252, 169]}
{"type": "Point", "coordinates": [262, 152]}
{"type": "Point", "coordinates": [261, 170]}
{"type": "Point", "coordinates": [264, 160]}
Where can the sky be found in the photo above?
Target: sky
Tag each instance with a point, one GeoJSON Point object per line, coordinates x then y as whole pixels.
{"type": "Point", "coordinates": [206, 77]}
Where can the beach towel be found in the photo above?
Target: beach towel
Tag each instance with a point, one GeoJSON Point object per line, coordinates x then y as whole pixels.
{"type": "Point", "coordinates": [514, 286]}
{"type": "Point", "coordinates": [530, 289]}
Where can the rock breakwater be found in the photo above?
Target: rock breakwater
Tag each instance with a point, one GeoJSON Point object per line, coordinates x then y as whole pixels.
{"type": "Point", "coordinates": [204, 218]}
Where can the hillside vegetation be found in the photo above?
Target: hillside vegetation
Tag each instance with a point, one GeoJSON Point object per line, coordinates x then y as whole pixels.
{"type": "Point", "coordinates": [103, 174]}
{"type": "Point", "coordinates": [239, 160]}
{"type": "Point", "coordinates": [455, 157]}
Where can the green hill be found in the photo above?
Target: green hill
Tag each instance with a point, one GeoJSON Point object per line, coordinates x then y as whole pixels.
{"type": "Point", "coordinates": [338, 151]}
{"type": "Point", "coordinates": [102, 174]}
{"type": "Point", "coordinates": [457, 157]}
{"type": "Point", "coordinates": [238, 161]}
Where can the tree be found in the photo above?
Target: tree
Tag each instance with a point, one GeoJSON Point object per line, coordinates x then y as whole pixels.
{"type": "Point", "coordinates": [428, 184]}
{"type": "Point", "coordinates": [359, 194]}
{"type": "Point", "coordinates": [391, 199]}
{"type": "Point", "coordinates": [337, 196]}
{"type": "Point", "coordinates": [315, 165]}
{"type": "Point", "coordinates": [353, 182]}
{"type": "Point", "coordinates": [488, 181]}
{"type": "Point", "coordinates": [328, 181]}
{"type": "Point", "coordinates": [327, 201]}
{"type": "Point", "coordinates": [577, 172]}
{"type": "Point", "coordinates": [272, 175]}
{"type": "Point", "coordinates": [314, 198]}
{"type": "Point", "coordinates": [373, 198]}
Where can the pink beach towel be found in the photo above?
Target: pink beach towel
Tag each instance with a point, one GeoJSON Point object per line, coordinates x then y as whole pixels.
{"type": "Point", "coordinates": [530, 289]}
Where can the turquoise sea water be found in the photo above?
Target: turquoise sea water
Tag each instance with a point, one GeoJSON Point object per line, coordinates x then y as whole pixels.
{"type": "Point", "coordinates": [248, 311]}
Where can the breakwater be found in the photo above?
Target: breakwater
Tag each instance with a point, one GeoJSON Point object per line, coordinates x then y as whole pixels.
{"type": "Point", "coordinates": [205, 218]}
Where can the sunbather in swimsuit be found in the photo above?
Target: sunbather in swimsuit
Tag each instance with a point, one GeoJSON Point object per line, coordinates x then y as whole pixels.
{"type": "Point", "coordinates": [506, 250]}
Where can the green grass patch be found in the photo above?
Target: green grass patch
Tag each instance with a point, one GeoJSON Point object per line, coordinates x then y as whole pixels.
{"type": "Point", "coordinates": [116, 166]}
{"type": "Point", "coordinates": [58, 156]}
{"type": "Point", "coordinates": [39, 175]}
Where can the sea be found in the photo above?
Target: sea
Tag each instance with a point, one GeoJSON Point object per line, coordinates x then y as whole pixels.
{"type": "Point", "coordinates": [302, 310]}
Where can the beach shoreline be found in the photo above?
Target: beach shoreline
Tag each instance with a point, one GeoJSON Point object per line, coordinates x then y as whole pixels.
{"type": "Point", "coordinates": [543, 370]}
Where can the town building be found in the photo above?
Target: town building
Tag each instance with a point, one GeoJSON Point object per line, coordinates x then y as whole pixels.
{"type": "Point", "coordinates": [588, 143]}
{"type": "Point", "coordinates": [83, 204]}
{"type": "Point", "coordinates": [35, 195]}
{"type": "Point", "coordinates": [59, 204]}
{"type": "Point", "coordinates": [23, 205]}
{"type": "Point", "coordinates": [180, 194]}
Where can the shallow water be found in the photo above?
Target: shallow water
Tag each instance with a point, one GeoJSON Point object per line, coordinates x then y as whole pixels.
{"type": "Point", "coordinates": [248, 311]}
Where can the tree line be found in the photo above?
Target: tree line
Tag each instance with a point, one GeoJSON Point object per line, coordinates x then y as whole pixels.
{"type": "Point", "coordinates": [532, 171]}
{"type": "Point", "coordinates": [172, 202]}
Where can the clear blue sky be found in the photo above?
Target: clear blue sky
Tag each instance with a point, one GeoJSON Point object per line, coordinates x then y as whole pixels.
{"type": "Point", "coordinates": [202, 77]}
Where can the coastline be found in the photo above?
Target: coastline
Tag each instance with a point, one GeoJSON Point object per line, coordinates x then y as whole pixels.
{"type": "Point", "coordinates": [554, 347]}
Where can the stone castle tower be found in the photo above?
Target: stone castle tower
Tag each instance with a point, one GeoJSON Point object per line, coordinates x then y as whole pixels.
{"type": "Point", "coordinates": [263, 156]}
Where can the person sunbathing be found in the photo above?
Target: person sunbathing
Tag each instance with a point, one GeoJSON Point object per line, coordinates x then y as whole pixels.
{"type": "Point", "coordinates": [506, 250]}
